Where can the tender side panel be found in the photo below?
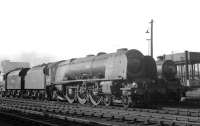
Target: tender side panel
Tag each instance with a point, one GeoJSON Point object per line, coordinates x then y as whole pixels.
{"type": "Point", "coordinates": [14, 80]}
{"type": "Point", "coordinates": [35, 78]}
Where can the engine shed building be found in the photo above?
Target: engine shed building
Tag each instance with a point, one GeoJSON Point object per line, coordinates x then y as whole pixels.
{"type": "Point", "coordinates": [188, 66]}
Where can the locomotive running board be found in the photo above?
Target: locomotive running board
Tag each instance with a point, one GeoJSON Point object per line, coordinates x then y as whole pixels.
{"type": "Point", "coordinates": [85, 80]}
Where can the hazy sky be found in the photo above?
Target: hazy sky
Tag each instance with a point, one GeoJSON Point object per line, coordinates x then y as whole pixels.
{"type": "Point", "coordinates": [67, 29]}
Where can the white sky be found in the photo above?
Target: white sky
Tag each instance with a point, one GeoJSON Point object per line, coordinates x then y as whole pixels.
{"type": "Point", "coordinates": [67, 29]}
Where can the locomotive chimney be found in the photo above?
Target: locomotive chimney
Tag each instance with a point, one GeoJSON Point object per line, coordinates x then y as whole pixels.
{"type": "Point", "coordinates": [122, 50]}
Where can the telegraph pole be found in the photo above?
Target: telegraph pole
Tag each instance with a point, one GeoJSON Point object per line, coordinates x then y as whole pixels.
{"type": "Point", "coordinates": [151, 37]}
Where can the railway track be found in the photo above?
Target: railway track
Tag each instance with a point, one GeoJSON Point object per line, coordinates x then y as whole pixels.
{"type": "Point", "coordinates": [101, 115]}
{"type": "Point", "coordinates": [175, 110]}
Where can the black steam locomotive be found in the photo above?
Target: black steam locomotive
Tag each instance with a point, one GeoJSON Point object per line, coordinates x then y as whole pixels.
{"type": "Point", "coordinates": [125, 77]}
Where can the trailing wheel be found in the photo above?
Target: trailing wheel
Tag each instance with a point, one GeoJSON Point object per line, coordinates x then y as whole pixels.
{"type": "Point", "coordinates": [18, 93]}
{"type": "Point", "coordinates": [107, 100]}
{"type": "Point", "coordinates": [33, 94]}
{"type": "Point", "coordinates": [54, 95]}
{"type": "Point", "coordinates": [127, 101]}
{"type": "Point", "coordinates": [15, 93]}
{"type": "Point", "coordinates": [1, 94]}
{"type": "Point", "coordinates": [8, 93]}
{"type": "Point", "coordinates": [28, 94]}
{"type": "Point", "coordinates": [11, 93]}
{"type": "Point", "coordinates": [41, 95]}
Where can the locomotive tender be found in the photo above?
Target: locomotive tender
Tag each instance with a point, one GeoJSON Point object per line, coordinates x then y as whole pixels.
{"type": "Point", "coordinates": [125, 77]}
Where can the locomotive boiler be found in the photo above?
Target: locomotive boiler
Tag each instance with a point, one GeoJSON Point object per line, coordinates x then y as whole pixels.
{"type": "Point", "coordinates": [126, 64]}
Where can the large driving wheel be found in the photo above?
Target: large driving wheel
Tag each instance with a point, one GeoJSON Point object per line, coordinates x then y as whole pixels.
{"type": "Point", "coordinates": [95, 99]}
{"type": "Point", "coordinates": [70, 94]}
{"type": "Point", "coordinates": [82, 94]}
{"type": "Point", "coordinates": [94, 95]}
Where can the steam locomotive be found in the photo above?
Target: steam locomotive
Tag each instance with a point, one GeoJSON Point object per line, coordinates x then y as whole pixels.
{"type": "Point", "coordinates": [125, 77]}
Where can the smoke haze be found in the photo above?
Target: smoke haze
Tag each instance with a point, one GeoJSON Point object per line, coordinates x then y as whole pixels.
{"type": "Point", "coordinates": [33, 58]}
